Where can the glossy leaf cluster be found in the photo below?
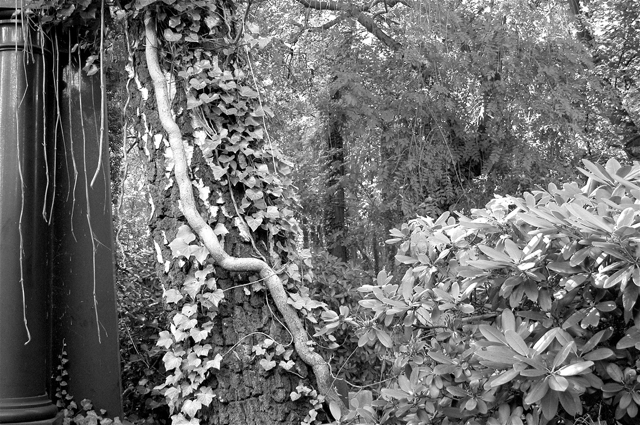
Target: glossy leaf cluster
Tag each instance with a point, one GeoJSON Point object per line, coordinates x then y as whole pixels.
{"type": "Point", "coordinates": [523, 312]}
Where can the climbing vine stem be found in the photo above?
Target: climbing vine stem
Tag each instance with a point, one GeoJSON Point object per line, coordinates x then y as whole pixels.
{"type": "Point", "coordinates": [209, 238]}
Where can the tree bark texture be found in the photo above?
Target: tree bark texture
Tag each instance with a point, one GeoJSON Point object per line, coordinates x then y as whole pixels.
{"type": "Point", "coordinates": [246, 393]}
{"type": "Point", "coordinates": [335, 210]}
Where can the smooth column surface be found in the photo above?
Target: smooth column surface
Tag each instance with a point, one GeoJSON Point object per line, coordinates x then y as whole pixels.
{"type": "Point", "coordinates": [25, 190]}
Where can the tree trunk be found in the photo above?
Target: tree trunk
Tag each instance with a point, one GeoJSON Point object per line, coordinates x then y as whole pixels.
{"type": "Point", "coordinates": [335, 212]}
{"type": "Point", "coordinates": [245, 392]}
{"type": "Point", "coordinates": [246, 388]}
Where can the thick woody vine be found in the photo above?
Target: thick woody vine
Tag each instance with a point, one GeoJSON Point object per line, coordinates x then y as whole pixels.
{"type": "Point", "coordinates": [209, 237]}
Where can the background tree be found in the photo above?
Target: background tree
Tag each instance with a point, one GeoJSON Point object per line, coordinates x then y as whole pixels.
{"type": "Point", "coordinates": [445, 103]}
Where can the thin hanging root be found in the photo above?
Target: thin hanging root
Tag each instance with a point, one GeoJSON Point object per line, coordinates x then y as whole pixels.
{"type": "Point", "coordinates": [87, 200]}
{"type": "Point", "coordinates": [22, 188]}
{"type": "Point", "coordinates": [209, 238]}
{"type": "Point", "coordinates": [103, 90]}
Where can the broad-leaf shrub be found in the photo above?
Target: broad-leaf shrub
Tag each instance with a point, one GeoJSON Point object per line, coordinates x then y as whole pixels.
{"type": "Point", "coordinates": [523, 312]}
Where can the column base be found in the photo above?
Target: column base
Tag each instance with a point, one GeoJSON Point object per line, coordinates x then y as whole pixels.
{"type": "Point", "coordinates": [37, 410]}
{"type": "Point", "coordinates": [54, 421]}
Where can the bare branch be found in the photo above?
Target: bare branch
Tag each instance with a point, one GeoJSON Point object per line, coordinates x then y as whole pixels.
{"type": "Point", "coordinates": [332, 5]}
{"type": "Point", "coordinates": [358, 13]}
{"type": "Point", "coordinates": [322, 27]}
{"type": "Point", "coordinates": [388, 4]}
{"type": "Point", "coordinates": [368, 22]}
{"type": "Point", "coordinates": [329, 24]}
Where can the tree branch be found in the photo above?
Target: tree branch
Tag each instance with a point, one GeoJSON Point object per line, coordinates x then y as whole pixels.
{"type": "Point", "coordinates": [367, 22]}
{"type": "Point", "coordinates": [322, 27]}
{"type": "Point", "coordinates": [358, 13]}
{"type": "Point", "coordinates": [332, 5]}
{"type": "Point", "coordinates": [209, 238]}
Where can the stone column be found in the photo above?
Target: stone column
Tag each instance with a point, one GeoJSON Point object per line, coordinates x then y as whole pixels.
{"type": "Point", "coordinates": [26, 193]}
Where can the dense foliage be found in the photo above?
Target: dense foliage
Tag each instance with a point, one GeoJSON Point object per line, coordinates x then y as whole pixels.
{"type": "Point", "coordinates": [471, 99]}
{"type": "Point", "coordinates": [523, 312]}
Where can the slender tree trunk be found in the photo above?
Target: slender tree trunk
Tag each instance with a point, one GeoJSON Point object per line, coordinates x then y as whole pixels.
{"type": "Point", "coordinates": [335, 212]}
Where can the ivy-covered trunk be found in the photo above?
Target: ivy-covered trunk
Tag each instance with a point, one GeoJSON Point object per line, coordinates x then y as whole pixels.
{"type": "Point", "coordinates": [245, 392]}
{"type": "Point", "coordinates": [229, 358]}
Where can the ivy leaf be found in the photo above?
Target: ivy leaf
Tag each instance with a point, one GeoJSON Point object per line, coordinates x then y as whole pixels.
{"type": "Point", "coordinates": [171, 361]}
{"type": "Point", "coordinates": [215, 363]}
{"type": "Point", "coordinates": [165, 340]}
{"type": "Point", "coordinates": [191, 36]}
{"type": "Point", "coordinates": [202, 350]}
{"type": "Point", "coordinates": [272, 213]}
{"type": "Point", "coordinates": [192, 287]}
{"type": "Point", "coordinates": [215, 297]}
{"type": "Point", "coordinates": [172, 296]}
{"type": "Point", "coordinates": [248, 92]}
{"type": "Point", "coordinates": [212, 21]}
{"type": "Point", "coordinates": [218, 172]}
{"type": "Point", "coordinates": [191, 407]}
{"type": "Point", "coordinates": [179, 419]}
{"type": "Point", "coordinates": [205, 396]}
{"type": "Point", "coordinates": [287, 365]}
{"type": "Point", "coordinates": [253, 223]}
{"type": "Point", "coordinates": [254, 194]}
{"type": "Point", "coordinates": [179, 248]}
{"type": "Point", "coordinates": [267, 364]}
{"type": "Point", "coordinates": [201, 253]}
{"type": "Point", "coordinates": [141, 4]}
{"type": "Point", "coordinates": [193, 360]}
{"type": "Point", "coordinates": [198, 334]}
{"type": "Point", "coordinates": [171, 36]}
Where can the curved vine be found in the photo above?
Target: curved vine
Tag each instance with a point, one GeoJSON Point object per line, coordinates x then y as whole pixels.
{"type": "Point", "coordinates": [209, 238]}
